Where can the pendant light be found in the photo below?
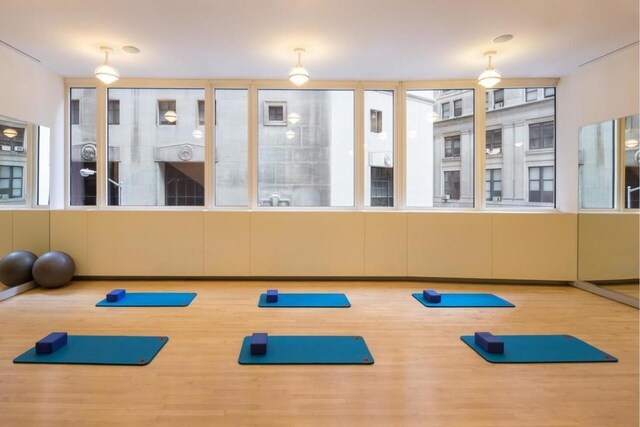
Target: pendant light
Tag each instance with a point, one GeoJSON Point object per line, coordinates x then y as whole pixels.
{"type": "Point", "coordinates": [105, 72]}
{"type": "Point", "coordinates": [489, 77]}
{"type": "Point", "coordinates": [298, 75]}
{"type": "Point", "coordinates": [10, 133]}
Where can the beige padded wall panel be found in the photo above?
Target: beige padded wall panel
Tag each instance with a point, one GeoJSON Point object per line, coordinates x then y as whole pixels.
{"type": "Point", "coordinates": [227, 243]}
{"type": "Point", "coordinates": [69, 234]}
{"type": "Point", "coordinates": [534, 246]}
{"type": "Point", "coordinates": [608, 246]}
{"type": "Point", "coordinates": [6, 232]}
{"type": "Point", "coordinates": [146, 243]}
{"type": "Point", "coordinates": [456, 245]}
{"type": "Point", "coordinates": [385, 244]}
{"type": "Point", "coordinates": [307, 244]}
{"type": "Point", "coordinates": [31, 231]}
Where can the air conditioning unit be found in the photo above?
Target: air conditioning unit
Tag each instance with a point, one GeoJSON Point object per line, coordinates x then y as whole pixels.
{"type": "Point", "coordinates": [5, 148]}
{"type": "Point", "coordinates": [497, 199]}
{"type": "Point", "coordinates": [498, 104]}
{"type": "Point", "coordinates": [446, 197]}
{"type": "Point", "coordinates": [18, 149]}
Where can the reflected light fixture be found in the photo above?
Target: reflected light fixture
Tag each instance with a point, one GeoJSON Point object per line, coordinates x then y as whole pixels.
{"type": "Point", "coordinates": [298, 75]}
{"type": "Point", "coordinates": [629, 143]}
{"type": "Point", "coordinates": [171, 116]}
{"type": "Point", "coordinates": [290, 134]}
{"type": "Point", "coordinates": [10, 133]}
{"type": "Point", "coordinates": [489, 77]}
{"type": "Point", "coordinates": [293, 118]}
{"type": "Point", "coordinates": [197, 134]}
{"type": "Point", "coordinates": [105, 72]}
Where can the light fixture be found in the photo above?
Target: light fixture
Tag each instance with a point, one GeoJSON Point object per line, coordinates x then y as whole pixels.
{"type": "Point", "coordinates": [10, 133]}
{"type": "Point", "coordinates": [131, 49]}
{"type": "Point", "coordinates": [293, 118]}
{"type": "Point", "coordinates": [197, 134]}
{"type": "Point", "coordinates": [290, 134]}
{"type": "Point", "coordinates": [87, 172]}
{"type": "Point", "coordinates": [105, 72]}
{"type": "Point", "coordinates": [629, 143]}
{"type": "Point", "coordinates": [503, 38]}
{"type": "Point", "coordinates": [489, 77]}
{"type": "Point", "coordinates": [298, 75]}
{"type": "Point", "coordinates": [171, 116]}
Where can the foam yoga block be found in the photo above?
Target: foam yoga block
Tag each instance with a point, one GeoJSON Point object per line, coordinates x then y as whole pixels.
{"type": "Point", "coordinates": [431, 296]}
{"type": "Point", "coordinates": [259, 343]}
{"type": "Point", "coordinates": [272, 295]}
{"type": "Point", "coordinates": [116, 295]}
{"type": "Point", "coordinates": [489, 342]}
{"type": "Point", "coordinates": [52, 342]}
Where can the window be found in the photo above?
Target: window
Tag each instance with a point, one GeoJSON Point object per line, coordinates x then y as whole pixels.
{"type": "Point", "coordinates": [435, 147]}
{"type": "Point", "coordinates": [541, 184]}
{"type": "Point", "coordinates": [309, 160]}
{"type": "Point", "coordinates": [452, 146]}
{"type": "Point", "coordinates": [376, 121]}
{"type": "Point", "coordinates": [275, 113]}
{"type": "Point", "coordinates": [232, 143]}
{"type": "Point", "coordinates": [631, 162]}
{"type": "Point", "coordinates": [541, 135]}
{"type": "Point", "coordinates": [451, 185]}
{"type": "Point", "coordinates": [381, 186]}
{"type": "Point", "coordinates": [114, 112]}
{"type": "Point", "coordinates": [378, 148]}
{"type": "Point", "coordinates": [486, 100]}
{"type": "Point", "coordinates": [498, 98]}
{"type": "Point", "coordinates": [494, 142]}
{"type": "Point", "coordinates": [151, 166]}
{"type": "Point", "coordinates": [74, 111]}
{"type": "Point", "coordinates": [493, 185]}
{"type": "Point", "coordinates": [549, 92]}
{"type": "Point", "coordinates": [43, 165]}
{"type": "Point", "coordinates": [446, 110]}
{"type": "Point", "coordinates": [597, 166]}
{"type": "Point", "coordinates": [457, 108]}
{"type": "Point", "coordinates": [200, 112]}
{"type": "Point", "coordinates": [83, 162]}
{"type": "Point", "coordinates": [531, 94]}
{"type": "Point", "coordinates": [167, 113]}
{"type": "Point", "coordinates": [10, 182]}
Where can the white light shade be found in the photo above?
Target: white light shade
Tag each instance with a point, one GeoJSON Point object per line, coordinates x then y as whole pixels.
{"type": "Point", "coordinates": [107, 74]}
{"type": "Point", "coordinates": [171, 116]}
{"type": "Point", "coordinates": [10, 133]}
{"type": "Point", "coordinates": [629, 143]}
{"type": "Point", "coordinates": [290, 134]}
{"type": "Point", "coordinates": [298, 75]}
{"type": "Point", "coordinates": [197, 134]}
{"type": "Point", "coordinates": [489, 77]}
{"type": "Point", "coordinates": [293, 118]}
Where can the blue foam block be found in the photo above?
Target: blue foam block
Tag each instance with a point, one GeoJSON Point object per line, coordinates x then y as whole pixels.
{"type": "Point", "coordinates": [115, 295]}
{"type": "Point", "coordinates": [306, 300]}
{"type": "Point", "coordinates": [151, 299]}
{"type": "Point", "coordinates": [489, 342]}
{"type": "Point", "coordinates": [431, 296]}
{"type": "Point", "coordinates": [259, 343]}
{"type": "Point", "coordinates": [465, 300]}
{"type": "Point", "coordinates": [51, 343]}
{"type": "Point", "coordinates": [272, 295]}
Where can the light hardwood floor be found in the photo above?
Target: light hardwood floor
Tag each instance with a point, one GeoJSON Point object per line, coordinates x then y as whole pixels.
{"type": "Point", "coordinates": [423, 374]}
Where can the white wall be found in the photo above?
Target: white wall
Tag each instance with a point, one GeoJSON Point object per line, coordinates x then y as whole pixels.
{"type": "Point", "coordinates": [602, 90]}
{"type": "Point", "coordinates": [30, 92]}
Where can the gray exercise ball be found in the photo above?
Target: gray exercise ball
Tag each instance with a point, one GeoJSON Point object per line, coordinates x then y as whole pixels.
{"type": "Point", "coordinates": [53, 269]}
{"type": "Point", "coordinates": [15, 268]}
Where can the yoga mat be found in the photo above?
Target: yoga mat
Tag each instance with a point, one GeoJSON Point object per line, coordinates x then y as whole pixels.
{"type": "Point", "coordinates": [100, 350]}
{"type": "Point", "coordinates": [151, 299]}
{"type": "Point", "coordinates": [309, 350]}
{"type": "Point", "coordinates": [466, 300]}
{"type": "Point", "coordinates": [307, 300]}
{"type": "Point", "coordinates": [541, 349]}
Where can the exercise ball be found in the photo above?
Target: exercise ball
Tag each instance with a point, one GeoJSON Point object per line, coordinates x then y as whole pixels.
{"type": "Point", "coordinates": [53, 269]}
{"type": "Point", "coordinates": [15, 268]}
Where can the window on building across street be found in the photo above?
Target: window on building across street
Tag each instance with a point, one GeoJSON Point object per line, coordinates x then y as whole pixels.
{"type": "Point", "coordinates": [376, 121]}
{"type": "Point", "coordinates": [381, 186]}
{"type": "Point", "coordinates": [541, 135]}
{"type": "Point", "coordinates": [446, 110]}
{"type": "Point", "coordinates": [200, 112]}
{"type": "Point", "coordinates": [452, 146]}
{"type": "Point", "coordinates": [113, 114]}
{"type": "Point", "coordinates": [493, 184]}
{"type": "Point", "coordinates": [10, 182]}
{"type": "Point", "coordinates": [541, 184]}
{"type": "Point", "coordinates": [457, 108]}
{"type": "Point", "coordinates": [275, 113]}
{"type": "Point", "coordinates": [531, 94]}
{"type": "Point", "coordinates": [494, 142]}
{"type": "Point", "coordinates": [549, 92]}
{"type": "Point", "coordinates": [74, 112]}
{"type": "Point", "coordinates": [378, 147]}
{"type": "Point", "coordinates": [498, 98]}
{"type": "Point", "coordinates": [167, 112]}
{"type": "Point", "coordinates": [451, 185]}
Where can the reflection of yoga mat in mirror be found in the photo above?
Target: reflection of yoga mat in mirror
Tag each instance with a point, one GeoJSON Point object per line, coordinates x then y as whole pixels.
{"type": "Point", "coordinates": [98, 350]}
{"type": "Point", "coordinates": [274, 299]}
{"type": "Point", "coordinates": [429, 299]}
{"type": "Point", "coordinates": [312, 350]}
{"type": "Point", "coordinates": [120, 298]}
{"type": "Point", "coordinates": [537, 349]}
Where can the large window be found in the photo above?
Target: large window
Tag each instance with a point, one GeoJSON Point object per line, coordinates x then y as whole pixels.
{"type": "Point", "coordinates": [596, 159]}
{"type": "Point", "coordinates": [378, 148]}
{"type": "Point", "coordinates": [83, 161]}
{"type": "Point", "coordinates": [151, 165]}
{"type": "Point", "coordinates": [520, 143]}
{"type": "Point", "coordinates": [440, 159]}
{"type": "Point", "coordinates": [232, 143]}
{"type": "Point", "coordinates": [305, 147]}
{"type": "Point", "coordinates": [631, 162]}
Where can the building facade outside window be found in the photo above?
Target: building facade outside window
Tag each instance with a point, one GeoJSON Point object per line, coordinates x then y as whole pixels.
{"type": "Point", "coordinates": [541, 185]}
{"type": "Point", "coordinates": [113, 113]}
{"type": "Point", "coordinates": [167, 114]}
{"type": "Point", "coordinates": [83, 152]}
{"type": "Point", "coordinates": [451, 185]}
{"type": "Point", "coordinates": [493, 184]}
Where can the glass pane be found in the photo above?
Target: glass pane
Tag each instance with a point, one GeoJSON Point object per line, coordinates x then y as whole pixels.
{"type": "Point", "coordinates": [307, 159]}
{"type": "Point", "coordinates": [83, 162]}
{"type": "Point", "coordinates": [44, 144]}
{"type": "Point", "coordinates": [378, 146]}
{"type": "Point", "coordinates": [427, 154]}
{"type": "Point", "coordinates": [156, 155]}
{"type": "Point", "coordinates": [13, 158]}
{"type": "Point", "coordinates": [534, 185]}
{"type": "Point", "coordinates": [597, 166]}
{"type": "Point", "coordinates": [232, 143]}
{"type": "Point", "coordinates": [5, 171]}
{"type": "Point", "coordinates": [527, 128]}
{"type": "Point", "coordinates": [631, 162]}
{"type": "Point", "coordinates": [4, 183]}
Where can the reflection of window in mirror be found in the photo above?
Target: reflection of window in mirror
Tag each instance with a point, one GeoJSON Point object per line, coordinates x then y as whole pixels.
{"type": "Point", "coordinates": [631, 174]}
{"type": "Point", "coordinates": [596, 166]}
{"type": "Point", "coordinates": [13, 162]}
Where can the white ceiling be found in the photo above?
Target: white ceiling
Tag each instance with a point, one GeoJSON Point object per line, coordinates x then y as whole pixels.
{"type": "Point", "coordinates": [345, 39]}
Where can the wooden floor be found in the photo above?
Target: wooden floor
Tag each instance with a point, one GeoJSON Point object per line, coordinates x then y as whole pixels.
{"type": "Point", "coordinates": [423, 374]}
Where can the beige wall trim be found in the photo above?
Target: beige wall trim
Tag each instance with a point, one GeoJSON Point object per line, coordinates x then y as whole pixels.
{"type": "Point", "coordinates": [615, 296]}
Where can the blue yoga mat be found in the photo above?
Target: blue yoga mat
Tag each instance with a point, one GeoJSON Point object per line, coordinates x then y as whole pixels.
{"type": "Point", "coordinates": [466, 300]}
{"type": "Point", "coordinates": [100, 350]}
{"type": "Point", "coordinates": [309, 350]}
{"type": "Point", "coordinates": [151, 299]}
{"type": "Point", "coordinates": [541, 349]}
{"type": "Point", "coordinates": [307, 300]}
